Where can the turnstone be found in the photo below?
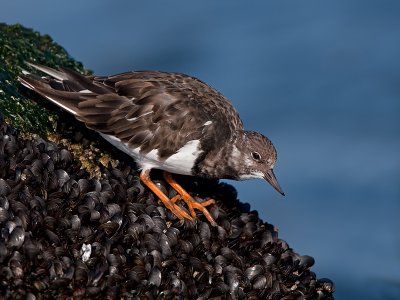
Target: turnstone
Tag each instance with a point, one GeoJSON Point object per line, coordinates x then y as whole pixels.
{"type": "Point", "coordinates": [167, 121]}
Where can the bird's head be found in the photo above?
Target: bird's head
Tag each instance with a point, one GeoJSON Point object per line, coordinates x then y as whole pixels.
{"type": "Point", "coordinates": [257, 156]}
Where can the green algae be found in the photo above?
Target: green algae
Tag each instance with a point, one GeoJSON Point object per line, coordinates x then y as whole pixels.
{"type": "Point", "coordinates": [22, 108]}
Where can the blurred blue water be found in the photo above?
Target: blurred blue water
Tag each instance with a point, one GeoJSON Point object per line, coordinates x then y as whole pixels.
{"type": "Point", "coordinates": [321, 79]}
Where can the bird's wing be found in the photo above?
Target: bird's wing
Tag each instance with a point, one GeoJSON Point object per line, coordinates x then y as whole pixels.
{"type": "Point", "coordinates": [146, 109]}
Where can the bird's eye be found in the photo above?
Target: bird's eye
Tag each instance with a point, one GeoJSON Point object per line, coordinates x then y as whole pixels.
{"type": "Point", "coordinates": [256, 156]}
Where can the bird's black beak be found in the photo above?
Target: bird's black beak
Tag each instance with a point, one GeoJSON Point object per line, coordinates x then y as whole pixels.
{"type": "Point", "coordinates": [270, 177]}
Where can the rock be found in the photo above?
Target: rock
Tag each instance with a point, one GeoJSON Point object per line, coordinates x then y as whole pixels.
{"type": "Point", "coordinates": [65, 233]}
{"type": "Point", "coordinates": [17, 46]}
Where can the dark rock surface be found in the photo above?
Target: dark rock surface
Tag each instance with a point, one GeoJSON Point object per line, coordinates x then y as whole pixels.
{"type": "Point", "coordinates": [64, 233]}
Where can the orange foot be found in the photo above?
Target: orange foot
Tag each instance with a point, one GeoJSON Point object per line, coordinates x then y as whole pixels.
{"type": "Point", "coordinates": [176, 210]}
{"type": "Point", "coordinates": [170, 203]}
{"type": "Point", "coordinates": [190, 201]}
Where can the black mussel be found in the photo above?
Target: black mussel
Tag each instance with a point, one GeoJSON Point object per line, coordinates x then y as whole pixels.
{"type": "Point", "coordinates": [155, 277]}
{"type": "Point", "coordinates": [16, 238]}
{"type": "Point", "coordinates": [4, 188]}
{"type": "Point", "coordinates": [326, 285]}
{"type": "Point", "coordinates": [62, 177]}
{"type": "Point", "coordinates": [65, 157]}
{"type": "Point", "coordinates": [253, 271]}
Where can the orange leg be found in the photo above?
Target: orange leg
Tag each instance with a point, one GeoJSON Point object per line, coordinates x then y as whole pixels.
{"type": "Point", "coordinates": [190, 201]}
{"type": "Point", "coordinates": [176, 198]}
{"type": "Point", "coordinates": [175, 209]}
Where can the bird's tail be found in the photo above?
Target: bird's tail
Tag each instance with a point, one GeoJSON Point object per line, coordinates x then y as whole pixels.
{"type": "Point", "coordinates": [65, 88]}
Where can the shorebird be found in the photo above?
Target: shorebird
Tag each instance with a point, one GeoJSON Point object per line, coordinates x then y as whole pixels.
{"type": "Point", "coordinates": [167, 121]}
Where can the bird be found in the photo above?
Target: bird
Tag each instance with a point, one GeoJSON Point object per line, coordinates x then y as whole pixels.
{"type": "Point", "coordinates": [167, 121]}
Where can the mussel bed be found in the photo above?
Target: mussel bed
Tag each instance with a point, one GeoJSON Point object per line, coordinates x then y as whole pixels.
{"type": "Point", "coordinates": [65, 234]}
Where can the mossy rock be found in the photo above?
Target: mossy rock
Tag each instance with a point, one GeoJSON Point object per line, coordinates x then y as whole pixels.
{"type": "Point", "coordinates": [22, 108]}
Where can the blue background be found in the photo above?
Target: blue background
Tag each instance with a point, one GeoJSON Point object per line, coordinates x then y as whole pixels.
{"type": "Point", "coordinates": [320, 78]}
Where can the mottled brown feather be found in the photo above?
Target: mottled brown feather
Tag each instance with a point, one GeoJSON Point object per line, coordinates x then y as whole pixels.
{"type": "Point", "coordinates": [146, 109]}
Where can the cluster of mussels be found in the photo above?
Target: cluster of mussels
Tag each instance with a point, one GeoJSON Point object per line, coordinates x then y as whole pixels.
{"type": "Point", "coordinates": [64, 234]}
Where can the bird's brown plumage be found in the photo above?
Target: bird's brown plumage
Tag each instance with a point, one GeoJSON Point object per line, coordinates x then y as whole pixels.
{"type": "Point", "coordinates": [146, 109]}
{"type": "Point", "coordinates": [168, 121]}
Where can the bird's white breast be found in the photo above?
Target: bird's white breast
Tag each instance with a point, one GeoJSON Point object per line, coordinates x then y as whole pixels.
{"type": "Point", "coordinates": [181, 162]}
